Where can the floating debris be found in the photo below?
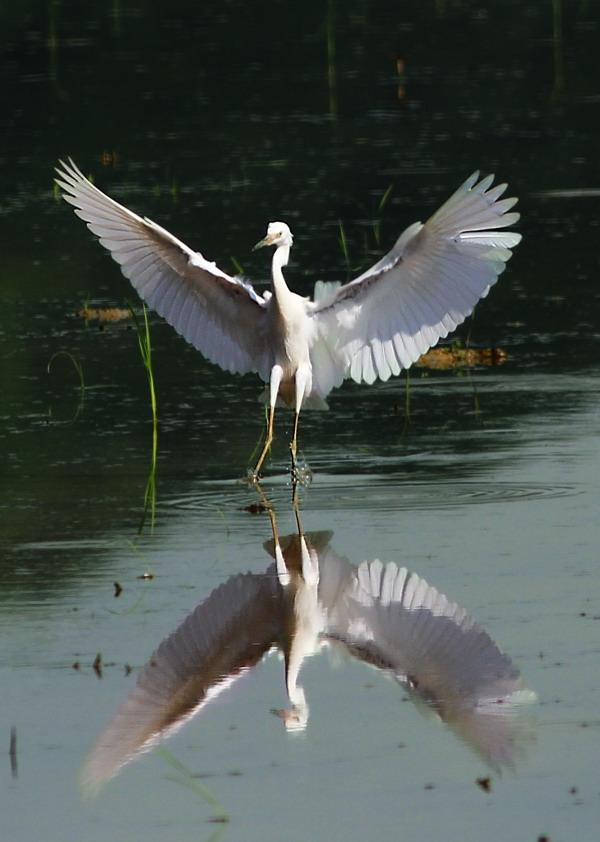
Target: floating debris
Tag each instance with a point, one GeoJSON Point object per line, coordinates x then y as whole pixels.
{"type": "Point", "coordinates": [456, 357]}
{"type": "Point", "coordinates": [12, 751]}
{"type": "Point", "coordinates": [97, 665]}
{"type": "Point", "coordinates": [254, 508]}
{"type": "Point", "coordinates": [105, 314]}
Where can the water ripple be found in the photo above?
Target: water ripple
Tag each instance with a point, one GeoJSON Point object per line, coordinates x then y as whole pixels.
{"type": "Point", "coordinates": [330, 493]}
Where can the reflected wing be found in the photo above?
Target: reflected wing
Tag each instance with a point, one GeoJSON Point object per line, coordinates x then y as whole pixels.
{"type": "Point", "coordinates": [395, 621]}
{"type": "Point", "coordinates": [223, 638]}
{"type": "Point", "coordinates": [429, 641]}
{"type": "Point", "coordinates": [428, 284]}
{"type": "Point", "coordinates": [219, 315]}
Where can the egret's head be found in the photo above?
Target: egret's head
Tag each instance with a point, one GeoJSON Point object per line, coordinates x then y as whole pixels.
{"type": "Point", "coordinates": [278, 234]}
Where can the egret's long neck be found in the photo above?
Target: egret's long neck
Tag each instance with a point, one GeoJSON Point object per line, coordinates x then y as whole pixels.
{"type": "Point", "coordinates": [280, 259]}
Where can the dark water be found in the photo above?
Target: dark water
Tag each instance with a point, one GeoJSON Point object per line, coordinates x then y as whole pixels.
{"type": "Point", "coordinates": [213, 120]}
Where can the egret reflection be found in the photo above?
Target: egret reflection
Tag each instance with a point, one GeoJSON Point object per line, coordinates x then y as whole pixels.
{"type": "Point", "coordinates": [309, 598]}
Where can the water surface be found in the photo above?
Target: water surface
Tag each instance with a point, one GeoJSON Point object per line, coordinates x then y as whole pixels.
{"type": "Point", "coordinates": [213, 122]}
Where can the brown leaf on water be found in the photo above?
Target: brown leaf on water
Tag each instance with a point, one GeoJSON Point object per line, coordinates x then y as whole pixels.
{"type": "Point", "coordinates": [104, 314]}
{"type": "Point", "coordinates": [441, 358]}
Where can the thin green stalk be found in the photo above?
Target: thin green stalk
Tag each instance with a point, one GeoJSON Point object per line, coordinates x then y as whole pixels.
{"type": "Point", "coordinates": [457, 344]}
{"type": "Point", "coordinates": [260, 442]}
{"type": "Point", "coordinates": [559, 61]}
{"type": "Point", "coordinates": [145, 344]}
{"type": "Point", "coordinates": [150, 491]}
{"type": "Point", "coordinates": [76, 364]}
{"type": "Point", "coordinates": [79, 369]}
{"type": "Point", "coordinates": [477, 411]}
{"type": "Point", "coordinates": [380, 207]}
{"type": "Point", "coordinates": [186, 777]}
{"type": "Point", "coordinates": [470, 328]}
{"type": "Point", "coordinates": [331, 68]}
{"type": "Point", "coordinates": [237, 265]}
{"type": "Point", "coordinates": [344, 244]}
{"type": "Point", "coordinates": [406, 403]}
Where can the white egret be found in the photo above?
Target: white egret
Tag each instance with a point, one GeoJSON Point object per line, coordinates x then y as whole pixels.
{"type": "Point", "coordinates": [369, 328]}
{"type": "Point", "coordinates": [380, 614]}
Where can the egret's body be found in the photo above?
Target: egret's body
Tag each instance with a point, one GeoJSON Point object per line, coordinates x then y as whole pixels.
{"type": "Point", "coordinates": [370, 328]}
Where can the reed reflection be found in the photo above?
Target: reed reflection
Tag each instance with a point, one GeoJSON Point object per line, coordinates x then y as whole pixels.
{"type": "Point", "coordinates": [308, 598]}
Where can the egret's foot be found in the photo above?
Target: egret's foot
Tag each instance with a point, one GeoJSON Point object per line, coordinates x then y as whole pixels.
{"type": "Point", "coordinates": [252, 477]}
{"type": "Point", "coordinates": [301, 474]}
{"type": "Point", "coordinates": [294, 470]}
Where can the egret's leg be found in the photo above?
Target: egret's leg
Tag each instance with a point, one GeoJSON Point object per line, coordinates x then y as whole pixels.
{"type": "Point", "coordinates": [303, 384]}
{"type": "Point", "coordinates": [294, 444]}
{"type": "Point", "coordinates": [282, 571]}
{"type": "Point", "coordinates": [296, 505]}
{"type": "Point", "coordinates": [274, 383]}
{"type": "Point", "coordinates": [268, 442]}
{"type": "Point", "coordinates": [294, 449]}
{"type": "Point", "coordinates": [310, 563]}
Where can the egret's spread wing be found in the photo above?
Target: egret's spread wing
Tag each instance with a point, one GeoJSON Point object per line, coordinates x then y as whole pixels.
{"type": "Point", "coordinates": [221, 639]}
{"type": "Point", "coordinates": [219, 315]}
{"type": "Point", "coordinates": [430, 281]}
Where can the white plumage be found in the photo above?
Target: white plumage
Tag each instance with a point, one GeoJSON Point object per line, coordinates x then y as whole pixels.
{"type": "Point", "coordinates": [381, 614]}
{"type": "Point", "coordinates": [368, 329]}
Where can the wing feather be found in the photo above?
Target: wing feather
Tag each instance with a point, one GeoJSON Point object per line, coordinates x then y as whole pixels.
{"type": "Point", "coordinates": [220, 315]}
{"type": "Point", "coordinates": [393, 361]}
{"type": "Point", "coordinates": [423, 289]}
{"type": "Point", "coordinates": [217, 643]}
{"type": "Point", "coordinates": [396, 620]}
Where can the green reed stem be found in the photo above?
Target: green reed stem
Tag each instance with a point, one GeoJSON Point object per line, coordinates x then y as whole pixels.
{"type": "Point", "coordinates": [145, 345]}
